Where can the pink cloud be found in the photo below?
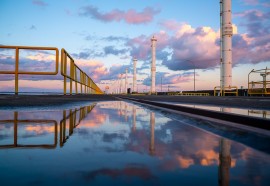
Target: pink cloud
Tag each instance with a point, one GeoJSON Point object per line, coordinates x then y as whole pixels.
{"type": "Point", "coordinates": [130, 16]}
{"type": "Point", "coordinates": [39, 3]}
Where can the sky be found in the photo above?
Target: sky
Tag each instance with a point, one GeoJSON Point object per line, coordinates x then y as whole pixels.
{"type": "Point", "coordinates": [103, 37]}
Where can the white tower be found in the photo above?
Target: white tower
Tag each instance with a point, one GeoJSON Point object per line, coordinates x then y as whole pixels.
{"type": "Point", "coordinates": [126, 82]}
{"type": "Point", "coordinates": [121, 83]}
{"type": "Point", "coordinates": [226, 32]}
{"type": "Point", "coordinates": [153, 65]}
{"type": "Point", "coordinates": [134, 75]}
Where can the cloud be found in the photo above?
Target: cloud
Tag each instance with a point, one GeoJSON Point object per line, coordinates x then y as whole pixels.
{"type": "Point", "coordinates": [256, 40]}
{"type": "Point", "coordinates": [264, 3]}
{"type": "Point", "coordinates": [32, 27]}
{"type": "Point", "coordinates": [251, 2]}
{"type": "Point", "coordinates": [168, 79]}
{"type": "Point", "coordinates": [111, 50]}
{"type": "Point", "coordinates": [68, 12]}
{"type": "Point", "coordinates": [253, 15]}
{"type": "Point", "coordinates": [115, 38]}
{"type": "Point", "coordinates": [115, 71]}
{"type": "Point", "coordinates": [130, 16]}
{"type": "Point", "coordinates": [183, 47]}
{"type": "Point", "coordinates": [87, 54]}
{"type": "Point", "coordinates": [39, 3]}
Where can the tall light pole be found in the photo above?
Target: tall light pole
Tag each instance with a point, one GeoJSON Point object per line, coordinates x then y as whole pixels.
{"type": "Point", "coordinates": [121, 83]}
{"type": "Point", "coordinates": [194, 78]}
{"type": "Point", "coordinates": [153, 66]}
{"type": "Point", "coordinates": [134, 75]}
{"type": "Point", "coordinates": [126, 83]}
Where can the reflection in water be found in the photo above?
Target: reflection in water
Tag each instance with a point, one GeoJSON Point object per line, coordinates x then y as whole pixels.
{"type": "Point", "coordinates": [30, 125]}
{"type": "Point", "coordinates": [152, 139]}
{"type": "Point", "coordinates": [263, 113]}
{"type": "Point", "coordinates": [224, 162]}
{"type": "Point", "coordinates": [248, 112]}
{"type": "Point", "coordinates": [73, 121]}
{"type": "Point", "coordinates": [100, 145]}
{"type": "Point", "coordinates": [134, 118]}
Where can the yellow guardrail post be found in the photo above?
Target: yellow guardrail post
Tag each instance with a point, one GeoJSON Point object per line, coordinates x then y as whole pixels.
{"type": "Point", "coordinates": [85, 80]}
{"type": "Point", "coordinates": [76, 80]}
{"type": "Point", "coordinates": [17, 72]}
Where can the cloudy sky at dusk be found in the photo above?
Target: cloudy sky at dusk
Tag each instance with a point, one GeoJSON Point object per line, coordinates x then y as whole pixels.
{"type": "Point", "coordinates": [104, 36]}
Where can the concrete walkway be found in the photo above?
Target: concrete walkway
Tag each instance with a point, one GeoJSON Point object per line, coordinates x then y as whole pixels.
{"type": "Point", "coordinates": [48, 100]}
{"type": "Point", "coordinates": [237, 102]}
{"type": "Point", "coordinates": [45, 100]}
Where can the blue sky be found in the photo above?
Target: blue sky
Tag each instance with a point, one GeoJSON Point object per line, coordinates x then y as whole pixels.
{"type": "Point", "coordinates": [104, 36]}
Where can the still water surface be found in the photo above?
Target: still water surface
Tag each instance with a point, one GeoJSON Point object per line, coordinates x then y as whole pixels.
{"type": "Point", "coordinates": [120, 143]}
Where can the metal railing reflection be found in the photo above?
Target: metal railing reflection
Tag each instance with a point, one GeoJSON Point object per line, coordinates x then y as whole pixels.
{"type": "Point", "coordinates": [17, 121]}
{"type": "Point", "coordinates": [73, 119]}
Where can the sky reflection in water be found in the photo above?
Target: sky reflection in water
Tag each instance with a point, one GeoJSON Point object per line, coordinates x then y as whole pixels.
{"type": "Point", "coordinates": [120, 143]}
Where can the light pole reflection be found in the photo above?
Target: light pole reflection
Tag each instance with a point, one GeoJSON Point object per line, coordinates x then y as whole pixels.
{"type": "Point", "coordinates": [224, 163]}
{"type": "Point", "coordinates": [134, 119]}
{"type": "Point", "coordinates": [152, 139]}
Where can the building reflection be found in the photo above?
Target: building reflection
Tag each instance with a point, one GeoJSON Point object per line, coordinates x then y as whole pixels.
{"type": "Point", "coordinates": [71, 119]}
{"type": "Point", "coordinates": [152, 132]}
{"type": "Point", "coordinates": [15, 121]}
{"type": "Point", "coordinates": [224, 162]}
{"type": "Point", "coordinates": [134, 118]}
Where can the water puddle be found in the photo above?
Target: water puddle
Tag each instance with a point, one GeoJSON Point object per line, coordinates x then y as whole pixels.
{"type": "Point", "coordinates": [242, 111]}
{"type": "Point", "coordinates": [116, 142]}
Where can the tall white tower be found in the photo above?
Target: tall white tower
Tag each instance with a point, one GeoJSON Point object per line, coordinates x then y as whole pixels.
{"type": "Point", "coordinates": [153, 65]}
{"type": "Point", "coordinates": [226, 32]}
{"type": "Point", "coordinates": [121, 83]}
{"type": "Point", "coordinates": [134, 75]}
{"type": "Point", "coordinates": [126, 82]}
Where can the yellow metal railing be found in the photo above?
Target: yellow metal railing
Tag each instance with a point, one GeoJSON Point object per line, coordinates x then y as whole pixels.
{"type": "Point", "coordinates": [77, 75]}
{"type": "Point", "coordinates": [16, 122]}
{"type": "Point", "coordinates": [16, 72]}
{"type": "Point", "coordinates": [259, 87]}
{"type": "Point", "coordinates": [226, 90]}
{"type": "Point", "coordinates": [87, 85]}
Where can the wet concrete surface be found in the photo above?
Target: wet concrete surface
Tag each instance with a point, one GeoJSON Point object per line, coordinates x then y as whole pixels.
{"type": "Point", "coordinates": [45, 100]}
{"type": "Point", "coordinates": [48, 100]}
{"type": "Point", "coordinates": [237, 102]}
